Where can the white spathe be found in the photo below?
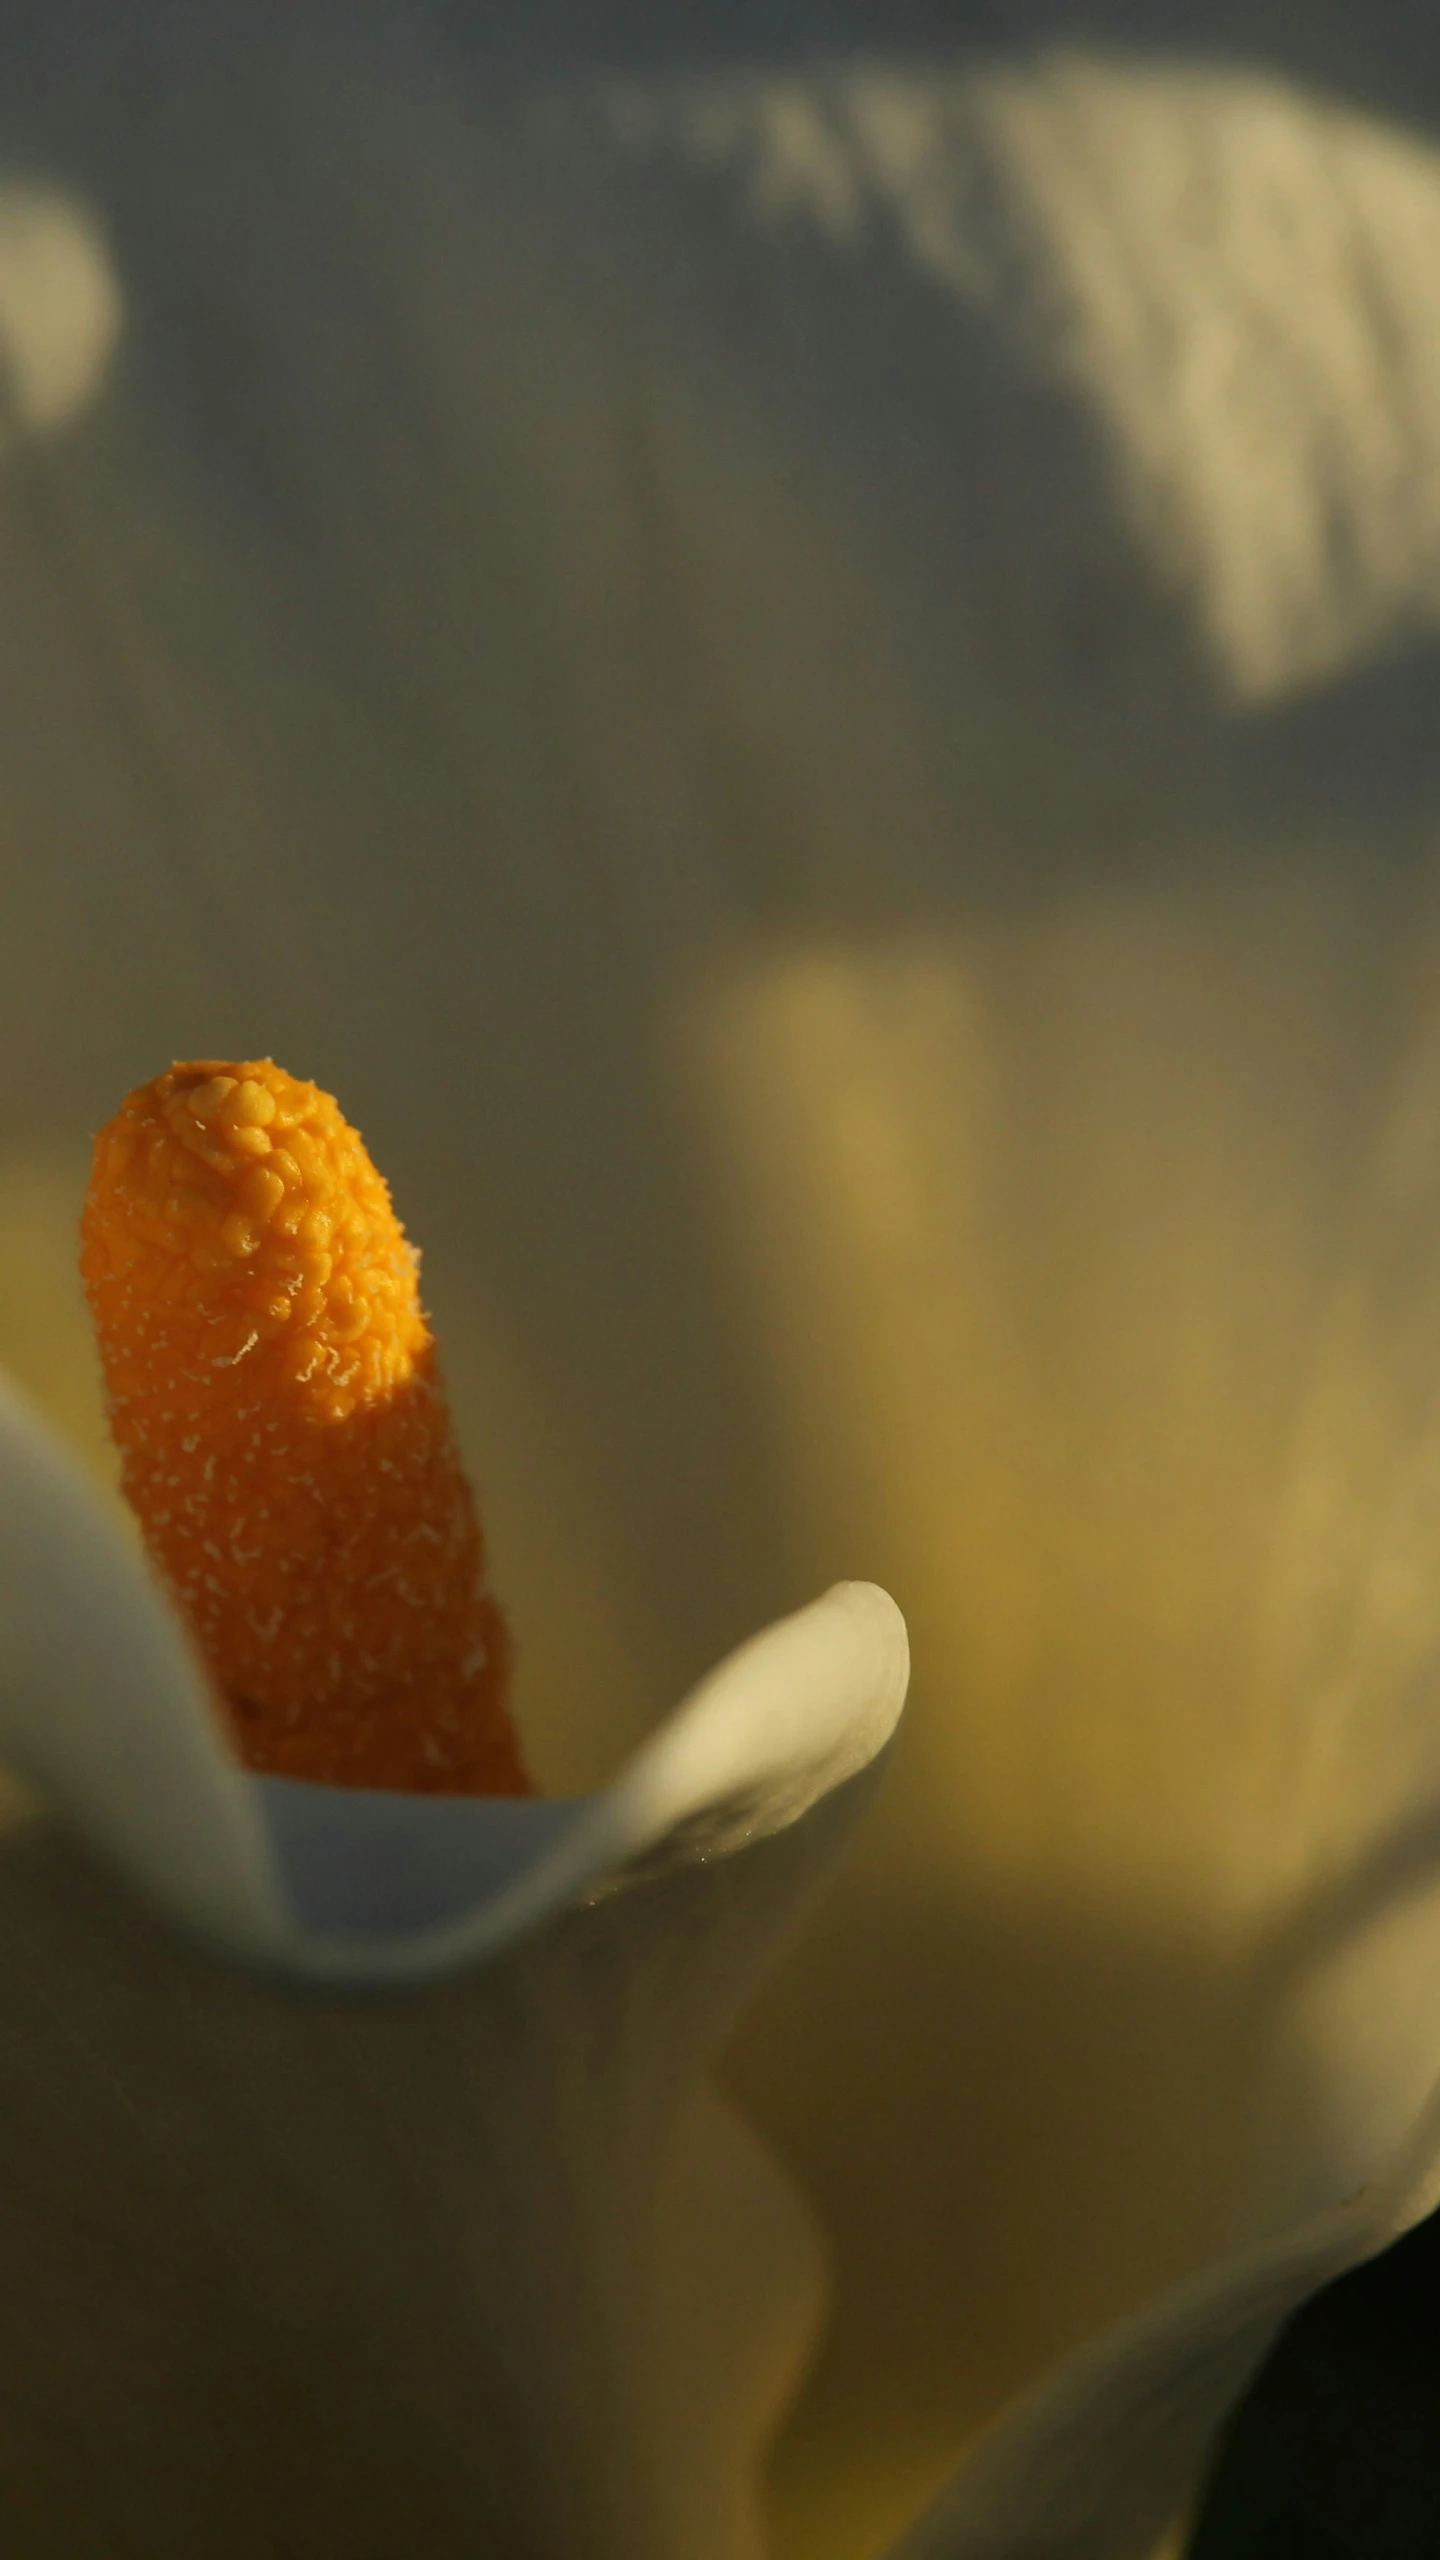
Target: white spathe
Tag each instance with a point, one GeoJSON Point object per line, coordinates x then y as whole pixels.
{"type": "Point", "coordinates": [1101, 2460]}
{"type": "Point", "coordinates": [546, 617]}
{"type": "Point", "coordinates": [491, 2258]}
{"type": "Point", "coordinates": [1177, 241]}
{"type": "Point", "coordinates": [487, 2266]}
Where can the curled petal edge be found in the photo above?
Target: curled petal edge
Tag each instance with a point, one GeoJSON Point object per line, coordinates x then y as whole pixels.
{"type": "Point", "coordinates": [106, 1713]}
{"type": "Point", "coordinates": [1099, 2460]}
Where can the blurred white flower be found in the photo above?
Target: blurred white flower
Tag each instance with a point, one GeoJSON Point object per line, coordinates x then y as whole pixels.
{"type": "Point", "coordinates": [1240, 279]}
{"type": "Point", "coordinates": [61, 307]}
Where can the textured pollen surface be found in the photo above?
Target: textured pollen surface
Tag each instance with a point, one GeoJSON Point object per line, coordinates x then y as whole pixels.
{"type": "Point", "coordinates": [285, 1438]}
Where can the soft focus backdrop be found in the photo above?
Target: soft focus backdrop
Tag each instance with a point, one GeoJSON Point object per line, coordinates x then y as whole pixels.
{"type": "Point", "coordinates": [797, 649]}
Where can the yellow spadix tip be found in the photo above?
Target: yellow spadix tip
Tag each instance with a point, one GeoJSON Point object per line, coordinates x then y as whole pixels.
{"type": "Point", "coordinates": [284, 1434]}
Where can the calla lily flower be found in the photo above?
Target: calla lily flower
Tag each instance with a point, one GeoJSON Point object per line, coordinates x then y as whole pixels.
{"type": "Point", "coordinates": [802, 664]}
{"type": "Point", "coordinates": [510, 2207]}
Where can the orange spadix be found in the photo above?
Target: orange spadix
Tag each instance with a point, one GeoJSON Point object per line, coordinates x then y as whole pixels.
{"type": "Point", "coordinates": [285, 1438]}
